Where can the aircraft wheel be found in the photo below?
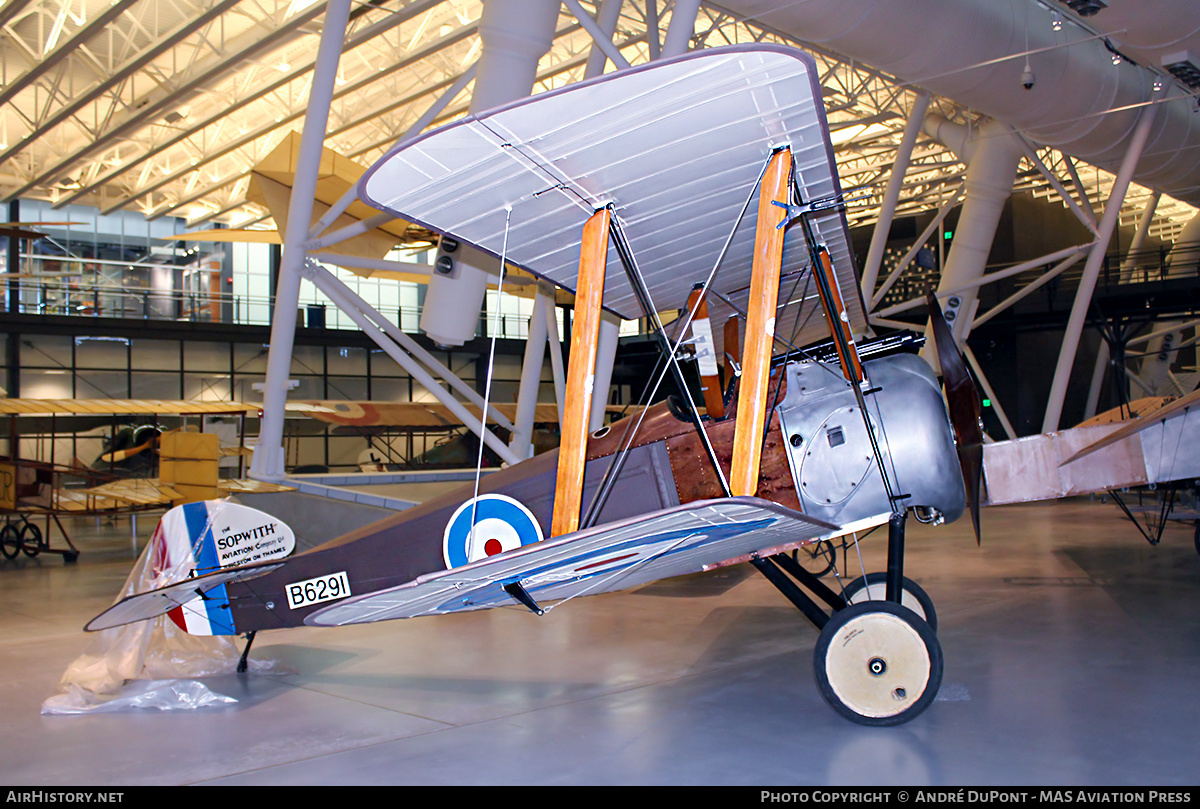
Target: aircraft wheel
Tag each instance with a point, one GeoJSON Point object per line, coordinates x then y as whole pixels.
{"type": "Point", "coordinates": [10, 541]}
{"type": "Point", "coordinates": [878, 663]}
{"type": "Point", "coordinates": [31, 539]}
{"type": "Point", "coordinates": [818, 558]}
{"type": "Point", "coordinates": [873, 587]}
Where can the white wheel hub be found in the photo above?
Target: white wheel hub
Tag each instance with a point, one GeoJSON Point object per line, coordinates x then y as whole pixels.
{"type": "Point", "coordinates": [877, 664]}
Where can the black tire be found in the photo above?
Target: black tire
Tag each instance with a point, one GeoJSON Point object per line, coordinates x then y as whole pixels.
{"type": "Point", "coordinates": [31, 539]}
{"type": "Point", "coordinates": [818, 558]}
{"type": "Point", "coordinates": [873, 587]}
{"type": "Point", "coordinates": [10, 541]}
{"type": "Point", "coordinates": [878, 664]}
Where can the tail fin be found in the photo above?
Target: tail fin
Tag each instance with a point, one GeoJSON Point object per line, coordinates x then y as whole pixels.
{"type": "Point", "coordinates": [193, 542]}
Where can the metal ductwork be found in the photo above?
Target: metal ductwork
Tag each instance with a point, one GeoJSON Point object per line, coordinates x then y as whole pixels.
{"type": "Point", "coordinates": [992, 155]}
{"type": "Point", "coordinates": [972, 51]}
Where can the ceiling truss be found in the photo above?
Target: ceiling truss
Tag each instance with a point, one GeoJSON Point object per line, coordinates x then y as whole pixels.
{"type": "Point", "coordinates": [161, 106]}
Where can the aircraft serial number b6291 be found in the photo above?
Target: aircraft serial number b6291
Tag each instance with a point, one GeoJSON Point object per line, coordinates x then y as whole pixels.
{"type": "Point", "coordinates": [314, 591]}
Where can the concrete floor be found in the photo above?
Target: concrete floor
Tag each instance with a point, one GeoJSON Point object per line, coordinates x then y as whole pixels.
{"type": "Point", "coordinates": [1071, 651]}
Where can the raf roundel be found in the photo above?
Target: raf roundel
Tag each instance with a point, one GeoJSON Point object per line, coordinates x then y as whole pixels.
{"type": "Point", "coordinates": [501, 524]}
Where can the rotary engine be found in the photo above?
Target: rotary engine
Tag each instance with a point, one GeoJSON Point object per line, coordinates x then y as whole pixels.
{"type": "Point", "coordinates": [832, 460]}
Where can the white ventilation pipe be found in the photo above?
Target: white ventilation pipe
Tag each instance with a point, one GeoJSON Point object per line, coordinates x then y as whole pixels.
{"type": "Point", "coordinates": [937, 45]}
{"type": "Point", "coordinates": [515, 34]}
{"type": "Point", "coordinates": [992, 154]}
{"type": "Point", "coordinates": [681, 28]}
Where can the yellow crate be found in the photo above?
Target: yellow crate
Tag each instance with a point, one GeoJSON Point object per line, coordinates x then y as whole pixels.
{"type": "Point", "coordinates": [193, 446]}
{"type": "Point", "coordinates": [193, 473]}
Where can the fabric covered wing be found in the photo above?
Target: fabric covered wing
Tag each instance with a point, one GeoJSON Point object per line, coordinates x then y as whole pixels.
{"type": "Point", "coordinates": [615, 556]}
{"type": "Point", "coordinates": [675, 146]}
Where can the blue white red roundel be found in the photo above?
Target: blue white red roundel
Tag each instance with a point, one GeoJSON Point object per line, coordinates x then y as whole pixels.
{"type": "Point", "coordinates": [500, 524]}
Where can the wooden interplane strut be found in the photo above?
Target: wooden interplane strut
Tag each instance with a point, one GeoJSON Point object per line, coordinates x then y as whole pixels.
{"type": "Point", "coordinates": [760, 325]}
{"type": "Point", "coordinates": [581, 373]}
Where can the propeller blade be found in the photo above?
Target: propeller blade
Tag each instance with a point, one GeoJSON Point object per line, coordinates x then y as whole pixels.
{"type": "Point", "coordinates": [962, 397]}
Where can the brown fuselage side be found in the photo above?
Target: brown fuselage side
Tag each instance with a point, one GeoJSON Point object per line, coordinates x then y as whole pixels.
{"type": "Point", "coordinates": [668, 465]}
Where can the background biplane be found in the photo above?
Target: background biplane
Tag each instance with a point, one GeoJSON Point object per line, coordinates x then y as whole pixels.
{"type": "Point", "coordinates": [119, 475]}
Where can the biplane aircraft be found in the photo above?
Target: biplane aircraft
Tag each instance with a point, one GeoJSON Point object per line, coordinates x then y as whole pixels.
{"type": "Point", "coordinates": [630, 190]}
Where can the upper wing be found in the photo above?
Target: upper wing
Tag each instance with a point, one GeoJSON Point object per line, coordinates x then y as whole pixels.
{"type": "Point", "coordinates": [615, 556]}
{"type": "Point", "coordinates": [676, 147]}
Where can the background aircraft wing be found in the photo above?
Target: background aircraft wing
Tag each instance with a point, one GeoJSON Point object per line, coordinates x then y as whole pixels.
{"type": "Point", "coordinates": [1177, 409]}
{"type": "Point", "coordinates": [676, 146]}
{"type": "Point", "coordinates": [614, 556]}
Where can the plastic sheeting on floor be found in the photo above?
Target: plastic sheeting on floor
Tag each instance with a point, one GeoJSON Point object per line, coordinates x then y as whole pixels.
{"type": "Point", "coordinates": [150, 664]}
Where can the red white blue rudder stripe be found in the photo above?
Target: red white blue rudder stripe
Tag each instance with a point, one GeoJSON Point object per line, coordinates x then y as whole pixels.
{"type": "Point", "coordinates": [198, 538]}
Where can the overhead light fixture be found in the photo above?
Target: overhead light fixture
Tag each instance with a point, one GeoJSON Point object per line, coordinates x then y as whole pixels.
{"type": "Point", "coordinates": [1056, 22]}
{"type": "Point", "coordinates": [1183, 66]}
{"type": "Point", "coordinates": [1084, 8]}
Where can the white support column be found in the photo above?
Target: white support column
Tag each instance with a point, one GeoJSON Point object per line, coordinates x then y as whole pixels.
{"type": "Point", "coordinates": [1093, 400]}
{"type": "Point", "coordinates": [556, 360]}
{"type": "Point", "coordinates": [1088, 220]}
{"type": "Point", "coordinates": [606, 19]}
{"type": "Point", "coordinates": [601, 39]}
{"type": "Point", "coordinates": [606, 355]}
{"type": "Point", "coordinates": [531, 379]}
{"type": "Point", "coordinates": [425, 120]}
{"type": "Point", "coordinates": [328, 280]}
{"type": "Point", "coordinates": [268, 462]}
{"type": "Point", "coordinates": [1091, 270]}
{"type": "Point", "coordinates": [346, 303]}
{"type": "Point", "coordinates": [1129, 265]}
{"type": "Point", "coordinates": [681, 28]}
{"type": "Point", "coordinates": [887, 210]}
{"type": "Point", "coordinates": [947, 206]}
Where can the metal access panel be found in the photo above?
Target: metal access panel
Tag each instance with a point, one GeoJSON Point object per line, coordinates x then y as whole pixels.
{"type": "Point", "coordinates": [832, 459]}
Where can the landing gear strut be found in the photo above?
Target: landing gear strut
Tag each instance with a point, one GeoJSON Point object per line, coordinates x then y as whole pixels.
{"type": "Point", "coordinates": [877, 660]}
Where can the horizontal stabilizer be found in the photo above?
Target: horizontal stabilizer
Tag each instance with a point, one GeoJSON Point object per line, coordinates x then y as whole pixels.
{"type": "Point", "coordinates": [1153, 449]}
{"type": "Point", "coordinates": [143, 606]}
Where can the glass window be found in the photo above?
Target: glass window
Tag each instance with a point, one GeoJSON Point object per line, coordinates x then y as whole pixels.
{"type": "Point", "coordinates": [38, 384]}
{"type": "Point", "coordinates": [155, 385]}
{"type": "Point", "coordinates": [155, 355]}
{"type": "Point", "coordinates": [47, 351]}
{"type": "Point", "coordinates": [203, 356]}
{"type": "Point", "coordinates": [101, 385]}
{"type": "Point", "coordinates": [102, 352]}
